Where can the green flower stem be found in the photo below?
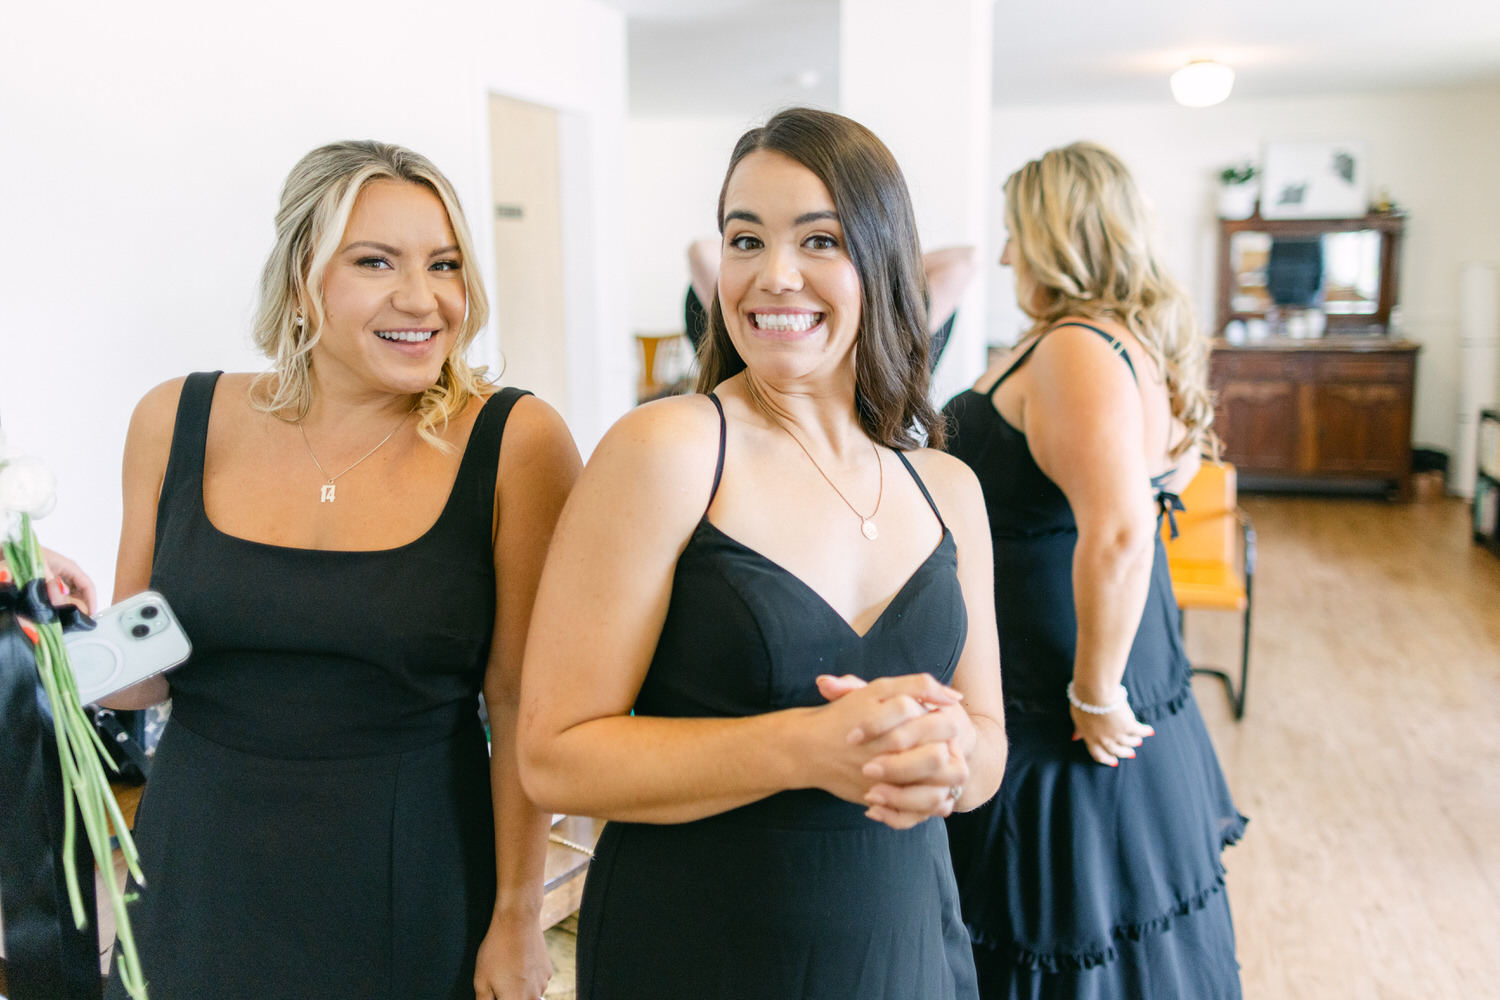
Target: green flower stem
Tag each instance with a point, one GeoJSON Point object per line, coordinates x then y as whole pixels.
{"type": "Point", "coordinates": [82, 757]}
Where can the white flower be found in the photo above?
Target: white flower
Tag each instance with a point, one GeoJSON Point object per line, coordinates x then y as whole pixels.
{"type": "Point", "coordinates": [27, 487]}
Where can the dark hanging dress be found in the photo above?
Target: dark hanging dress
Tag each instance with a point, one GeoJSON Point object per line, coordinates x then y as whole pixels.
{"type": "Point", "coordinates": [318, 819]}
{"type": "Point", "coordinates": [798, 895]}
{"type": "Point", "coordinates": [1081, 881]}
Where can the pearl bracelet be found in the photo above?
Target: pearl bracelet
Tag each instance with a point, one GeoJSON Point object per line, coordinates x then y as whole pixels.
{"type": "Point", "coordinates": [1084, 706]}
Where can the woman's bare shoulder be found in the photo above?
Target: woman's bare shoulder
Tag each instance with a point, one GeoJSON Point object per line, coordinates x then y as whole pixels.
{"type": "Point", "coordinates": [661, 449]}
{"type": "Point", "coordinates": [951, 482]}
{"type": "Point", "coordinates": [666, 424]}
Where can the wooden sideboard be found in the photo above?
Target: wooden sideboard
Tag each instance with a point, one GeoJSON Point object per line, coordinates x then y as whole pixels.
{"type": "Point", "coordinates": [1332, 413]}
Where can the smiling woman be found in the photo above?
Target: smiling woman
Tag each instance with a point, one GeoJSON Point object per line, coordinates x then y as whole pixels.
{"type": "Point", "coordinates": [352, 540]}
{"type": "Point", "coordinates": [775, 701]}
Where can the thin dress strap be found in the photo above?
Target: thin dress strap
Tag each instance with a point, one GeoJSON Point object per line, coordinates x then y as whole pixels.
{"type": "Point", "coordinates": [1011, 370]}
{"type": "Point", "coordinates": [923, 487]}
{"type": "Point", "coordinates": [1114, 342]}
{"type": "Point", "coordinates": [719, 466]}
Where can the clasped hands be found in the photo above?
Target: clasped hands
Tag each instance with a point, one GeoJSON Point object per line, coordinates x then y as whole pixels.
{"type": "Point", "coordinates": [901, 745]}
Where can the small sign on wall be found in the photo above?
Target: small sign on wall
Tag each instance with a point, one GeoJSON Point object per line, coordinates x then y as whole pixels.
{"type": "Point", "coordinates": [1314, 180]}
{"type": "Point", "coordinates": [509, 212]}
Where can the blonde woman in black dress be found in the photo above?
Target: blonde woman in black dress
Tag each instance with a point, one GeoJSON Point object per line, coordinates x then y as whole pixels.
{"type": "Point", "coordinates": [352, 541]}
{"type": "Point", "coordinates": [1094, 874]}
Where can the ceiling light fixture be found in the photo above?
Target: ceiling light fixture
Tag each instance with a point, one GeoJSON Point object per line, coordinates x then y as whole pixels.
{"type": "Point", "coordinates": [1201, 83]}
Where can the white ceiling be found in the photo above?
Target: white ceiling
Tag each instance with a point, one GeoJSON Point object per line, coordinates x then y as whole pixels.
{"type": "Point", "coordinates": [743, 56]}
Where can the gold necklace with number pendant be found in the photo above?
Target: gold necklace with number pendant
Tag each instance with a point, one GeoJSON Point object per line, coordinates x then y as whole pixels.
{"type": "Point", "coordinates": [326, 490]}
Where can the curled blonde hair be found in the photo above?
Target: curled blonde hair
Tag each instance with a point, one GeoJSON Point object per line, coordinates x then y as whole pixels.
{"type": "Point", "coordinates": [1079, 237]}
{"type": "Point", "coordinates": [316, 202]}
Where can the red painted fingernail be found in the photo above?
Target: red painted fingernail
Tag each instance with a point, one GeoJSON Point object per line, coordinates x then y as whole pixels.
{"type": "Point", "coordinates": [30, 630]}
{"type": "Point", "coordinates": [1114, 763]}
{"type": "Point", "coordinates": [1077, 737]}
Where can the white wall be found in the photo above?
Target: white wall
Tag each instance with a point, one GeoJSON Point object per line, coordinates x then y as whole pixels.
{"type": "Point", "coordinates": [1435, 151]}
{"type": "Point", "coordinates": [674, 169]}
{"type": "Point", "coordinates": [943, 90]}
{"type": "Point", "coordinates": [142, 147]}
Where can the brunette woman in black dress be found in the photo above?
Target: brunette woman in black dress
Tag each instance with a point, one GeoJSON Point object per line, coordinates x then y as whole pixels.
{"type": "Point", "coordinates": [763, 645]}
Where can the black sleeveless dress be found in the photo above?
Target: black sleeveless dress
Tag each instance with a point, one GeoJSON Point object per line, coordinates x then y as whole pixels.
{"type": "Point", "coordinates": [318, 819]}
{"type": "Point", "coordinates": [1081, 881]}
{"type": "Point", "coordinates": [798, 895]}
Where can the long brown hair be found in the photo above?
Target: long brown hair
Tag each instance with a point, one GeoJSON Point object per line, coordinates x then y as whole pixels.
{"type": "Point", "coordinates": [874, 207]}
{"type": "Point", "coordinates": [1080, 245]}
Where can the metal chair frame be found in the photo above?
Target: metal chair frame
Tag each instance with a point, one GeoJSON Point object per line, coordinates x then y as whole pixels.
{"type": "Point", "coordinates": [1247, 567]}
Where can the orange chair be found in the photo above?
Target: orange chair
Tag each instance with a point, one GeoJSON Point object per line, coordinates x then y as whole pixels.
{"type": "Point", "coordinates": [1212, 560]}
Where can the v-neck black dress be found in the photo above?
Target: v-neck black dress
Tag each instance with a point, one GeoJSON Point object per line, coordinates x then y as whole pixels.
{"type": "Point", "coordinates": [798, 895]}
{"type": "Point", "coordinates": [318, 819]}
{"type": "Point", "coordinates": [1080, 881]}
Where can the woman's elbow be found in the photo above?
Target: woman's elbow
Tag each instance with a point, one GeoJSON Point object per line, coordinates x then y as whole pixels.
{"type": "Point", "coordinates": [536, 769]}
{"type": "Point", "coordinates": [1122, 543]}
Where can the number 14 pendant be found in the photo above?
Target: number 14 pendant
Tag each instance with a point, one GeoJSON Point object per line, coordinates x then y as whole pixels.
{"type": "Point", "coordinates": [326, 496]}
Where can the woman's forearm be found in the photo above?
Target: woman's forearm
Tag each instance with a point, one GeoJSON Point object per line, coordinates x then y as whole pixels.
{"type": "Point", "coordinates": [986, 763]}
{"type": "Point", "coordinates": [520, 827]}
{"type": "Point", "coordinates": [1111, 577]}
{"type": "Point", "coordinates": [648, 769]}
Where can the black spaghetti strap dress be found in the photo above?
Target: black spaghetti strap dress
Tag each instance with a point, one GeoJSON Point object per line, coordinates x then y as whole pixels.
{"type": "Point", "coordinates": [798, 895]}
{"type": "Point", "coordinates": [318, 819]}
{"type": "Point", "coordinates": [1081, 881]}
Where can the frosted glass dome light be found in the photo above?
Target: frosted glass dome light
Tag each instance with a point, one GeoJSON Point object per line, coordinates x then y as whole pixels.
{"type": "Point", "coordinates": [1201, 83]}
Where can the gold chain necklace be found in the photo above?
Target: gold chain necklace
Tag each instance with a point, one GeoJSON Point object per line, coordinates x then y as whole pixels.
{"type": "Point", "coordinates": [326, 490]}
{"type": "Point", "coordinates": [866, 522]}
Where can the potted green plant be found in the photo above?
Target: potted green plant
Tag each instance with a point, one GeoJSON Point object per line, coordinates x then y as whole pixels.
{"type": "Point", "coordinates": [1238, 190]}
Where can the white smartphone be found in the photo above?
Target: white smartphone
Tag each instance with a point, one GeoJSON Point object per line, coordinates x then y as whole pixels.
{"type": "Point", "coordinates": [132, 640]}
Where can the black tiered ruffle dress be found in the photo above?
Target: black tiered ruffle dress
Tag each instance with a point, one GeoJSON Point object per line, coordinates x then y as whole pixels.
{"type": "Point", "coordinates": [1081, 881]}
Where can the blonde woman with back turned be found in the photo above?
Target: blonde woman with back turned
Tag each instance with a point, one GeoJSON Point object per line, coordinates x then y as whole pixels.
{"type": "Point", "coordinates": [352, 540]}
{"type": "Point", "coordinates": [1107, 830]}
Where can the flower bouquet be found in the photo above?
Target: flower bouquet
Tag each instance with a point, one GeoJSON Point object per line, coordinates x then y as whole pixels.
{"type": "Point", "coordinates": [27, 491]}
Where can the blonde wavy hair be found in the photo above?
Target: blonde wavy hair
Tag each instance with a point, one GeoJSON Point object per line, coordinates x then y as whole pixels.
{"type": "Point", "coordinates": [316, 202]}
{"type": "Point", "coordinates": [1079, 241]}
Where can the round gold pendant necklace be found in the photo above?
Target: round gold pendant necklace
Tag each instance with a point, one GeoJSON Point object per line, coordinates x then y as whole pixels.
{"type": "Point", "coordinates": [326, 490]}
{"type": "Point", "coordinates": [866, 521]}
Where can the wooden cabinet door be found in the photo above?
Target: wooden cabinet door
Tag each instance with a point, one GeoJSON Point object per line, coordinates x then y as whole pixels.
{"type": "Point", "coordinates": [1258, 421]}
{"type": "Point", "coordinates": [1364, 428]}
{"type": "Point", "coordinates": [1363, 415]}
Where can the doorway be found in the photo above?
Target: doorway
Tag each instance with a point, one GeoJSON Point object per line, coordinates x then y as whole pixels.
{"type": "Point", "coordinates": [526, 187]}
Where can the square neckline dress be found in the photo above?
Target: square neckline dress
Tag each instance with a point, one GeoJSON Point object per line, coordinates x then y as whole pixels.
{"type": "Point", "coordinates": [1081, 881]}
{"type": "Point", "coordinates": [797, 895]}
{"type": "Point", "coordinates": [318, 821]}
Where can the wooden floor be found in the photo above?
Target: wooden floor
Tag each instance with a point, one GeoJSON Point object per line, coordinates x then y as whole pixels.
{"type": "Point", "coordinates": [1368, 759]}
{"type": "Point", "coordinates": [1369, 755]}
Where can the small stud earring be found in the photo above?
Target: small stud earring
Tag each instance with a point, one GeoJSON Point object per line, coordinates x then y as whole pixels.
{"type": "Point", "coordinates": [300, 320]}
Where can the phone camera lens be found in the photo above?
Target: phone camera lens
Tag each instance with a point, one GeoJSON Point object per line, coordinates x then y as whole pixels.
{"type": "Point", "coordinates": [150, 611]}
{"type": "Point", "coordinates": [140, 631]}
